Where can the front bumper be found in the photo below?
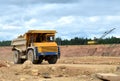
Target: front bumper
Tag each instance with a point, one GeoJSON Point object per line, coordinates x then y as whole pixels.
{"type": "Point", "coordinates": [47, 53]}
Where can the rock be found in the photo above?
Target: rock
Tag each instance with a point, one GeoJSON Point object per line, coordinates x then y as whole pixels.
{"type": "Point", "coordinates": [46, 75]}
{"type": "Point", "coordinates": [4, 63]}
{"type": "Point", "coordinates": [7, 65]}
{"type": "Point", "coordinates": [118, 69]}
{"type": "Point", "coordinates": [63, 70]}
{"type": "Point", "coordinates": [27, 64]}
{"type": "Point", "coordinates": [35, 72]}
{"type": "Point", "coordinates": [66, 62]}
{"type": "Point", "coordinates": [22, 79]}
{"type": "Point", "coordinates": [44, 80]}
{"type": "Point", "coordinates": [53, 68]}
{"type": "Point", "coordinates": [108, 77]}
{"type": "Point", "coordinates": [2, 80]}
{"type": "Point", "coordinates": [60, 76]}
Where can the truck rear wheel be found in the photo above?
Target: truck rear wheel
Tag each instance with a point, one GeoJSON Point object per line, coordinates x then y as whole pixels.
{"type": "Point", "coordinates": [52, 60]}
{"type": "Point", "coordinates": [17, 59]}
{"type": "Point", "coordinates": [31, 57]}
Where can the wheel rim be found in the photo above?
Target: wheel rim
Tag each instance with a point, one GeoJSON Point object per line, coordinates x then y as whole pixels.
{"type": "Point", "coordinates": [30, 55]}
{"type": "Point", "coordinates": [15, 57]}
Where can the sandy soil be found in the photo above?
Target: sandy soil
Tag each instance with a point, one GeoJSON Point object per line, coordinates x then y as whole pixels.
{"type": "Point", "coordinates": [72, 66]}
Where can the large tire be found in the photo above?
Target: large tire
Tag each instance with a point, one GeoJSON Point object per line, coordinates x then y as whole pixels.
{"type": "Point", "coordinates": [40, 60]}
{"type": "Point", "coordinates": [52, 60]}
{"type": "Point", "coordinates": [17, 59]}
{"type": "Point", "coordinates": [31, 57]}
{"type": "Point", "coordinates": [23, 60]}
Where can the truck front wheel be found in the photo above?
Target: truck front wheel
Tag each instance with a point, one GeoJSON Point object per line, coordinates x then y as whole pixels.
{"type": "Point", "coordinates": [52, 60]}
{"type": "Point", "coordinates": [17, 59]}
{"type": "Point", "coordinates": [31, 57]}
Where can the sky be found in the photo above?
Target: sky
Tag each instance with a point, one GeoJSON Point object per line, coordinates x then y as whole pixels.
{"type": "Point", "coordinates": [70, 18]}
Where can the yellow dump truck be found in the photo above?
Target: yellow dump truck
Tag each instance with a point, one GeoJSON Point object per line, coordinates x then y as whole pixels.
{"type": "Point", "coordinates": [36, 46]}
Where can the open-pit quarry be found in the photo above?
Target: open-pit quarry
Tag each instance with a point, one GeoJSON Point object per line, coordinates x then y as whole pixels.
{"type": "Point", "coordinates": [77, 63]}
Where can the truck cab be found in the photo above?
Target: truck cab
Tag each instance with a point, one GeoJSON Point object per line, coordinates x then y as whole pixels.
{"type": "Point", "coordinates": [36, 46]}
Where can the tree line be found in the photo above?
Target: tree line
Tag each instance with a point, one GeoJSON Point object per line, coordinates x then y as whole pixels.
{"type": "Point", "coordinates": [76, 41]}
{"type": "Point", "coordinates": [5, 43]}
{"type": "Point", "coordinates": [84, 41]}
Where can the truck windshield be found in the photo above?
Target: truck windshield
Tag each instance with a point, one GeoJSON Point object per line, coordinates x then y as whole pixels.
{"type": "Point", "coordinates": [50, 38]}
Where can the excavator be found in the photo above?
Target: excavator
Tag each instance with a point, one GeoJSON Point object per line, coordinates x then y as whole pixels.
{"type": "Point", "coordinates": [95, 41]}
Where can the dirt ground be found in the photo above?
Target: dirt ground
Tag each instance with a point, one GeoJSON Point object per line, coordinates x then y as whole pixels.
{"type": "Point", "coordinates": [77, 63]}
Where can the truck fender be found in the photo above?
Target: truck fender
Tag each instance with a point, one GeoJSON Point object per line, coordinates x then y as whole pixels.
{"type": "Point", "coordinates": [16, 49]}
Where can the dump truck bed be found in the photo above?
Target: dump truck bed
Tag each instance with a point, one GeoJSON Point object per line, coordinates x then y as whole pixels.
{"type": "Point", "coordinates": [41, 31]}
{"type": "Point", "coordinates": [19, 43]}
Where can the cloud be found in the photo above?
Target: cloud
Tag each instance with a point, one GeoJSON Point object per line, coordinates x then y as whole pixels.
{"type": "Point", "coordinates": [5, 35]}
{"type": "Point", "coordinates": [8, 27]}
{"type": "Point", "coordinates": [59, 1]}
{"type": "Point", "coordinates": [87, 27]}
{"type": "Point", "coordinates": [83, 9]}
{"type": "Point", "coordinates": [94, 19]}
{"type": "Point", "coordinates": [66, 26]}
{"type": "Point", "coordinates": [30, 22]}
{"type": "Point", "coordinates": [27, 2]}
{"type": "Point", "coordinates": [59, 22]}
{"type": "Point", "coordinates": [83, 18]}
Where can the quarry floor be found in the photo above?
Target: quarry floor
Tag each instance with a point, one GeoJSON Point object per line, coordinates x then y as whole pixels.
{"type": "Point", "coordinates": [77, 63]}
